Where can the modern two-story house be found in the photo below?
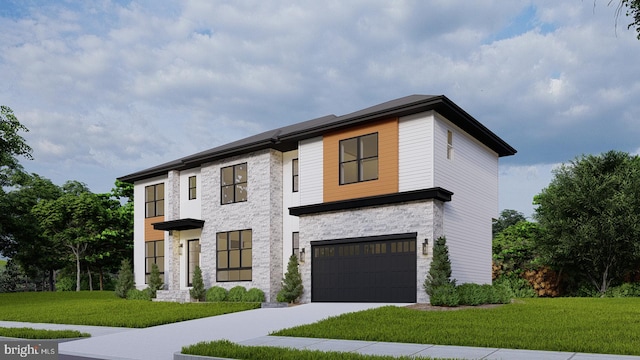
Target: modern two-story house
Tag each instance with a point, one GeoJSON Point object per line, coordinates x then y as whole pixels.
{"type": "Point", "coordinates": [358, 198]}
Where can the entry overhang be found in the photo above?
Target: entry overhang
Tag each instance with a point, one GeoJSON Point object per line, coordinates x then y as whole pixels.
{"type": "Point", "coordinates": [180, 224]}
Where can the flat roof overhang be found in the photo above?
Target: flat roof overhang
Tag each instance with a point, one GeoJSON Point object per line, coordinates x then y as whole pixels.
{"type": "Point", "coordinates": [180, 224]}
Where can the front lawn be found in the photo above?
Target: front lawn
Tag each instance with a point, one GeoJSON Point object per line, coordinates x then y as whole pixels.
{"type": "Point", "coordinates": [591, 325]}
{"type": "Point", "coordinates": [103, 308]}
{"type": "Point", "coordinates": [29, 333]}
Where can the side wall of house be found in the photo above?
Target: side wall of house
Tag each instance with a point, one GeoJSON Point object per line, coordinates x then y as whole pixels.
{"type": "Point", "coordinates": [471, 173]}
{"type": "Point", "coordinates": [311, 171]}
{"type": "Point", "coordinates": [415, 147]}
{"type": "Point", "coordinates": [143, 231]}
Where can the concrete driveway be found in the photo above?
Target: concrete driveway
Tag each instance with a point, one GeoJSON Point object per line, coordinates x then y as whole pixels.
{"type": "Point", "coordinates": [160, 342]}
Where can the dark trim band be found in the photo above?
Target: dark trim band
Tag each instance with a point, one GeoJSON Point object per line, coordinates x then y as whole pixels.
{"type": "Point", "coordinates": [412, 236]}
{"type": "Point", "coordinates": [180, 224]}
{"type": "Point", "coordinates": [436, 193]}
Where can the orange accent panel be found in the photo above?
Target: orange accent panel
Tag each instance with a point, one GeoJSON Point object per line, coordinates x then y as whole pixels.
{"type": "Point", "coordinates": [387, 182]}
{"type": "Point", "coordinates": [151, 234]}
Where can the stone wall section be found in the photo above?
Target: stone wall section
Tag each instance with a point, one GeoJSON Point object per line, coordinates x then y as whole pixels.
{"type": "Point", "coordinates": [423, 217]}
{"type": "Point", "coordinates": [172, 239]}
{"type": "Point", "coordinates": [261, 213]}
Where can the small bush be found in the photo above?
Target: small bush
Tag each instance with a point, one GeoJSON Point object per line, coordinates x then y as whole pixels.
{"type": "Point", "coordinates": [471, 294]}
{"type": "Point", "coordinates": [624, 290]}
{"type": "Point", "coordinates": [254, 295]}
{"type": "Point", "coordinates": [440, 268]}
{"type": "Point", "coordinates": [292, 287]}
{"type": "Point", "coordinates": [503, 294]}
{"type": "Point", "coordinates": [65, 284]}
{"type": "Point", "coordinates": [237, 293]}
{"type": "Point", "coordinates": [197, 290]}
{"type": "Point", "coordinates": [135, 294]}
{"type": "Point", "coordinates": [125, 279]}
{"type": "Point", "coordinates": [444, 295]}
{"type": "Point", "coordinates": [155, 281]}
{"type": "Point", "coordinates": [216, 294]}
{"type": "Point", "coordinates": [520, 287]}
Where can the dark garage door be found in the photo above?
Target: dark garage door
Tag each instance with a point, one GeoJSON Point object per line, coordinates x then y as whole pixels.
{"type": "Point", "coordinates": [379, 269]}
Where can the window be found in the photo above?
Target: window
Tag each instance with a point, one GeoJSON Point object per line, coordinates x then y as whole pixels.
{"type": "Point", "coordinates": [193, 258]}
{"type": "Point", "coordinates": [153, 254]}
{"type": "Point", "coordinates": [233, 252]}
{"type": "Point", "coordinates": [449, 144]}
{"type": "Point", "coordinates": [154, 200]}
{"type": "Point", "coordinates": [359, 159]}
{"type": "Point", "coordinates": [233, 180]}
{"type": "Point", "coordinates": [295, 243]}
{"type": "Point", "coordinates": [192, 187]}
{"type": "Point", "coordinates": [294, 171]}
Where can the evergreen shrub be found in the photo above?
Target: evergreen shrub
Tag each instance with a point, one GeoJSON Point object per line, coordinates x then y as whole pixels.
{"type": "Point", "coordinates": [236, 294]}
{"type": "Point", "coordinates": [216, 294]}
{"type": "Point", "coordinates": [292, 287]}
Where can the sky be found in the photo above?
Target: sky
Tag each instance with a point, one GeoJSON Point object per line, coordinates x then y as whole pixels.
{"type": "Point", "coordinates": [110, 87]}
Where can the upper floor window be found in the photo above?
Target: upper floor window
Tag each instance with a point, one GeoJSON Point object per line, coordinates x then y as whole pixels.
{"type": "Point", "coordinates": [449, 144]}
{"type": "Point", "coordinates": [192, 187]}
{"type": "Point", "coordinates": [233, 181]}
{"type": "Point", "coordinates": [359, 159]}
{"type": "Point", "coordinates": [294, 172]}
{"type": "Point", "coordinates": [154, 200]}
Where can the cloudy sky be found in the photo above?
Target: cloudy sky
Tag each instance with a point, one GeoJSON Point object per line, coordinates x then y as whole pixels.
{"type": "Point", "coordinates": [109, 87]}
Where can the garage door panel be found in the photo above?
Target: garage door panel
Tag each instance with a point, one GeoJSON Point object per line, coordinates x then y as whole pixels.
{"type": "Point", "coordinates": [364, 271]}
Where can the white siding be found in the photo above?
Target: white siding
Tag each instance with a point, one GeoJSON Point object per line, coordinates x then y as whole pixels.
{"type": "Point", "coordinates": [190, 208]}
{"type": "Point", "coordinates": [289, 199]}
{"type": "Point", "coordinates": [415, 153]}
{"type": "Point", "coordinates": [310, 155]}
{"type": "Point", "coordinates": [138, 229]}
{"type": "Point", "coordinates": [472, 175]}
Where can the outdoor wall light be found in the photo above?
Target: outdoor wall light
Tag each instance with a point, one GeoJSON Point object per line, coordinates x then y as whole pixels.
{"type": "Point", "coordinates": [425, 247]}
{"type": "Point", "coordinates": [302, 255]}
{"type": "Point", "coordinates": [180, 250]}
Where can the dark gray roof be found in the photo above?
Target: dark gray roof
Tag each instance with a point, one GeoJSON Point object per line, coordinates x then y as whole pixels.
{"type": "Point", "coordinates": [286, 138]}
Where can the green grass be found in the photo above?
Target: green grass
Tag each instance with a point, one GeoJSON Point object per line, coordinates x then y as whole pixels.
{"type": "Point", "coordinates": [226, 349]}
{"type": "Point", "coordinates": [29, 333]}
{"type": "Point", "coordinates": [592, 325]}
{"type": "Point", "coordinates": [105, 309]}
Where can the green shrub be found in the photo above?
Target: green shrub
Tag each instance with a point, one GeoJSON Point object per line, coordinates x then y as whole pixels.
{"type": "Point", "coordinates": [216, 294]}
{"type": "Point", "coordinates": [197, 290]}
{"type": "Point", "coordinates": [135, 294]}
{"type": "Point", "coordinates": [440, 268]}
{"type": "Point", "coordinates": [125, 279]}
{"type": "Point", "coordinates": [292, 286]}
{"type": "Point", "coordinates": [503, 294]}
{"type": "Point", "coordinates": [444, 295]}
{"type": "Point", "coordinates": [155, 281]}
{"type": "Point", "coordinates": [520, 287]}
{"type": "Point", "coordinates": [237, 293]}
{"type": "Point", "coordinates": [254, 295]}
{"type": "Point", "coordinates": [65, 284]}
{"type": "Point", "coordinates": [471, 294]}
{"type": "Point", "coordinates": [624, 290]}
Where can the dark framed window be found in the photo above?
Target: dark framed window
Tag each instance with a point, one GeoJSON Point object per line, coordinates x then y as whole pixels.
{"type": "Point", "coordinates": [193, 259]}
{"type": "Point", "coordinates": [192, 187]}
{"type": "Point", "coordinates": [294, 172]}
{"type": "Point", "coordinates": [154, 200]}
{"type": "Point", "coordinates": [449, 144]}
{"type": "Point", "coordinates": [153, 254]}
{"type": "Point", "coordinates": [233, 251]}
{"type": "Point", "coordinates": [295, 243]}
{"type": "Point", "coordinates": [233, 181]}
{"type": "Point", "coordinates": [359, 159]}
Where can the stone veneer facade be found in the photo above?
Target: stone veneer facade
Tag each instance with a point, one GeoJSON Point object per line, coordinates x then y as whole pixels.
{"type": "Point", "coordinates": [261, 213]}
{"type": "Point", "coordinates": [426, 218]}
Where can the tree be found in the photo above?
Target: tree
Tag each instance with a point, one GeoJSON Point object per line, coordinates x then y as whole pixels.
{"type": "Point", "coordinates": [514, 247]}
{"type": "Point", "coordinates": [440, 269]}
{"type": "Point", "coordinates": [21, 238]}
{"type": "Point", "coordinates": [74, 220]}
{"type": "Point", "coordinates": [632, 10]}
{"type": "Point", "coordinates": [11, 144]}
{"type": "Point", "coordinates": [197, 291]}
{"type": "Point", "coordinates": [591, 216]}
{"type": "Point", "coordinates": [125, 281]}
{"type": "Point", "coordinates": [507, 218]}
{"type": "Point", "coordinates": [292, 287]}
